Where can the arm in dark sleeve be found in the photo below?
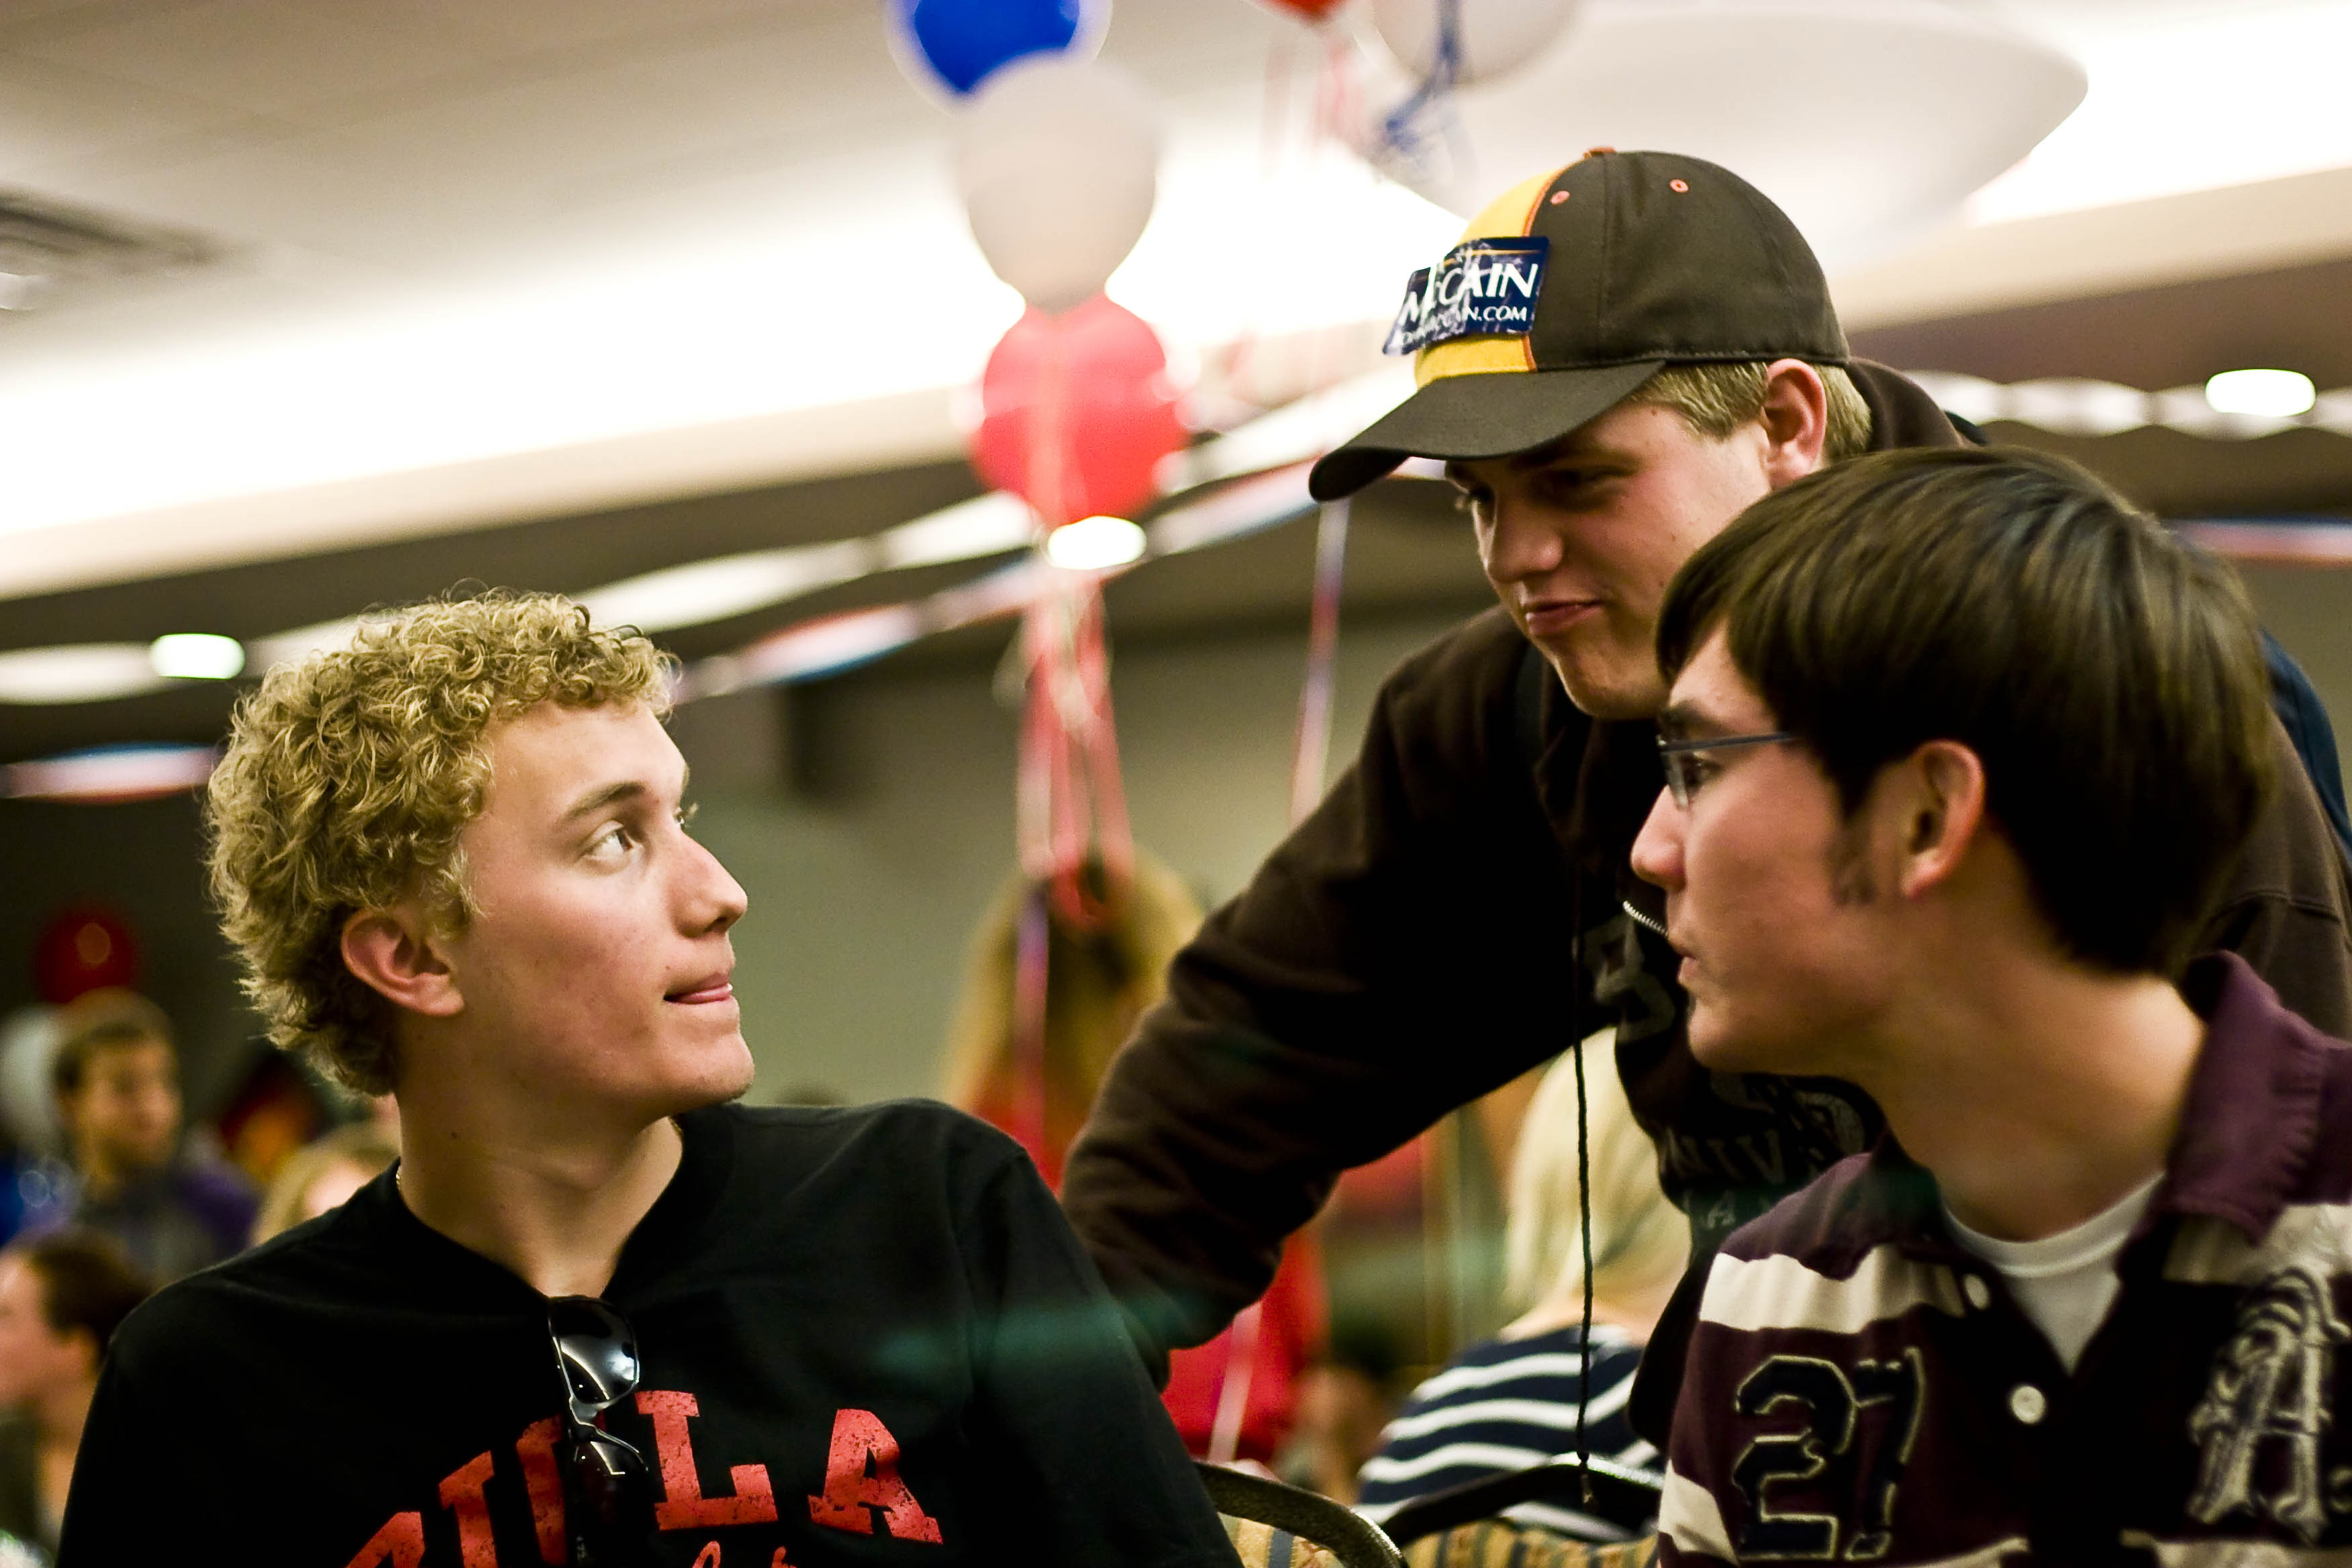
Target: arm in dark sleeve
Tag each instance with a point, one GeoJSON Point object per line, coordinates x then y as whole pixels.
{"type": "Point", "coordinates": [1405, 950]}
{"type": "Point", "coordinates": [1087, 1467]}
{"type": "Point", "coordinates": [2287, 906]}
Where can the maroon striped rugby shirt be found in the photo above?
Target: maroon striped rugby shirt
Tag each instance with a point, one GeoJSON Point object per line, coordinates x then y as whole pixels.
{"type": "Point", "coordinates": [1860, 1389]}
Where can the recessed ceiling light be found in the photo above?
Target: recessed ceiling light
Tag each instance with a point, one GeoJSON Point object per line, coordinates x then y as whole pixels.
{"type": "Point", "coordinates": [197, 656]}
{"type": "Point", "coordinates": [2277, 393]}
{"type": "Point", "coordinates": [1094, 545]}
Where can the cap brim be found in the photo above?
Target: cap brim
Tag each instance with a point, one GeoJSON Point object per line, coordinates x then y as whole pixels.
{"type": "Point", "coordinates": [1489, 415]}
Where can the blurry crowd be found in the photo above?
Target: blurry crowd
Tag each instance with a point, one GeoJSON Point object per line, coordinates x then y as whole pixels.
{"type": "Point", "coordinates": [130, 1198]}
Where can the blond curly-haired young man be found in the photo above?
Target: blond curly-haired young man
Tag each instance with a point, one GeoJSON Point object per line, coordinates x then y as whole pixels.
{"type": "Point", "coordinates": [596, 1314]}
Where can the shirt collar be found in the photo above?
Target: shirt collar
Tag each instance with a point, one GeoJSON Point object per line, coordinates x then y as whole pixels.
{"type": "Point", "coordinates": [2252, 1115]}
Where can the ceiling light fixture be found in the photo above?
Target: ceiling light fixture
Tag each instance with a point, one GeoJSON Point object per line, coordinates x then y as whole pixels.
{"type": "Point", "coordinates": [1094, 545]}
{"type": "Point", "coordinates": [197, 656]}
{"type": "Point", "coordinates": [2270, 393]}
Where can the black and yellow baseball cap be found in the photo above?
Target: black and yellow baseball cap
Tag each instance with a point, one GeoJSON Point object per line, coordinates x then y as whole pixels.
{"type": "Point", "coordinates": [1571, 290]}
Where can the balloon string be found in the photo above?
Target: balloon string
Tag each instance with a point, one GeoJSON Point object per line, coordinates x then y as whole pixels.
{"type": "Point", "coordinates": [1048, 456]}
{"type": "Point", "coordinates": [1068, 790]}
{"type": "Point", "coordinates": [1313, 752]}
{"type": "Point", "coordinates": [1335, 102]}
{"type": "Point", "coordinates": [1273, 132]}
{"type": "Point", "coordinates": [1405, 130]}
{"type": "Point", "coordinates": [1584, 1234]}
{"type": "Point", "coordinates": [1071, 807]}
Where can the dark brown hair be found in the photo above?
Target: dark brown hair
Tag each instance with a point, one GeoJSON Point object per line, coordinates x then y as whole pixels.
{"type": "Point", "coordinates": [98, 1019]}
{"type": "Point", "coordinates": [2108, 675]}
{"type": "Point", "coordinates": [87, 1281]}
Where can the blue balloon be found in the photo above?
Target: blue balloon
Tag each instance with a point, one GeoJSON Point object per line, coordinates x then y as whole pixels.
{"type": "Point", "coordinates": [964, 40]}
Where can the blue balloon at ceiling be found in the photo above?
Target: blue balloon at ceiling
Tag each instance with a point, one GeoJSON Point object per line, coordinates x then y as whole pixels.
{"type": "Point", "coordinates": [966, 40]}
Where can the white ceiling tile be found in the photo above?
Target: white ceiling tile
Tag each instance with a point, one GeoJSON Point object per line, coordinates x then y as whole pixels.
{"type": "Point", "coordinates": [532, 133]}
{"type": "Point", "coordinates": [49, 111]}
{"type": "Point", "coordinates": [158, 154]}
{"type": "Point", "coordinates": [557, 24]}
{"type": "Point", "coordinates": [310, 190]}
{"type": "Point", "coordinates": [266, 56]}
{"type": "Point", "coordinates": [24, 18]}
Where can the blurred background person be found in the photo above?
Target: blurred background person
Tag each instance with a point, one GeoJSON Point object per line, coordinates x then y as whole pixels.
{"type": "Point", "coordinates": [115, 1077]}
{"type": "Point", "coordinates": [61, 1296]}
{"type": "Point", "coordinates": [319, 1176]}
{"type": "Point", "coordinates": [1237, 1397]}
{"type": "Point", "coordinates": [1345, 1397]}
{"type": "Point", "coordinates": [1100, 973]}
{"type": "Point", "coordinates": [1511, 1402]}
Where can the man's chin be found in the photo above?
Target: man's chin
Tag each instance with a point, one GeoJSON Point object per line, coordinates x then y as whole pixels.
{"type": "Point", "coordinates": [718, 1072]}
{"type": "Point", "coordinates": [1718, 1043]}
{"type": "Point", "coordinates": [1606, 689]}
{"type": "Point", "coordinates": [1721, 1042]}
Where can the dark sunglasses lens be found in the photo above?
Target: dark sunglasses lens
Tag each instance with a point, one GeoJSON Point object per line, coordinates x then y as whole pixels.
{"type": "Point", "coordinates": [607, 1503]}
{"type": "Point", "coordinates": [593, 1343]}
{"type": "Point", "coordinates": [608, 1475]}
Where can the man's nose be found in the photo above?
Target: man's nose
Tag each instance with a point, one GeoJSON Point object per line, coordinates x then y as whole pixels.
{"type": "Point", "coordinates": [1517, 543]}
{"type": "Point", "coordinates": [1658, 851]}
{"type": "Point", "coordinates": [714, 899]}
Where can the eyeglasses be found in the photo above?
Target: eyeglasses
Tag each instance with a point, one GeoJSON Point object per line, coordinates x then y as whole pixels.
{"type": "Point", "coordinates": [1679, 758]}
{"type": "Point", "coordinates": [607, 1496]}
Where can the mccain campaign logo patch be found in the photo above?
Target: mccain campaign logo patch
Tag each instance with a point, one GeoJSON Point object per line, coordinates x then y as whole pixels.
{"type": "Point", "coordinates": [1484, 287]}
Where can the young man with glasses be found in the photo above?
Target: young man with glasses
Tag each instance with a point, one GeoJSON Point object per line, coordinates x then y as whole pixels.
{"type": "Point", "coordinates": [1958, 747]}
{"type": "Point", "coordinates": [1643, 345]}
{"type": "Point", "coordinates": [596, 1315]}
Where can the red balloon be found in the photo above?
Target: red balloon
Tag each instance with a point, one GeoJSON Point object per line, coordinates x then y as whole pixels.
{"type": "Point", "coordinates": [86, 948]}
{"type": "Point", "coordinates": [1076, 412]}
{"type": "Point", "coordinates": [1313, 10]}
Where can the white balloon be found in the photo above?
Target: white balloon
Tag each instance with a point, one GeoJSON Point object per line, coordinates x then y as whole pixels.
{"type": "Point", "coordinates": [1493, 38]}
{"type": "Point", "coordinates": [1057, 160]}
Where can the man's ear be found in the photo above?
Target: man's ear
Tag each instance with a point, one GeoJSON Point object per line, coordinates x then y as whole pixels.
{"type": "Point", "coordinates": [1940, 808]}
{"type": "Point", "coordinates": [1796, 421]}
{"type": "Point", "coordinates": [393, 953]}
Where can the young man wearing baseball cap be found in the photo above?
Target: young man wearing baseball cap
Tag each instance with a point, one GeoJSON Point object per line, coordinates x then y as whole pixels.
{"type": "Point", "coordinates": [1958, 748]}
{"type": "Point", "coordinates": [596, 1315]}
{"type": "Point", "coordinates": [1618, 358]}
